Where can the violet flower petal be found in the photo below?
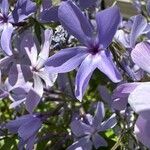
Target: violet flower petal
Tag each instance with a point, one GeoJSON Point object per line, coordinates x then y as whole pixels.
{"type": "Point", "coordinates": [141, 130]}
{"type": "Point", "coordinates": [139, 100]}
{"type": "Point", "coordinates": [66, 60]}
{"type": "Point", "coordinates": [107, 23]}
{"type": "Point", "coordinates": [74, 21]}
{"type": "Point", "coordinates": [86, 68]}
{"type": "Point", "coordinates": [14, 125]}
{"type": "Point", "coordinates": [49, 15]}
{"type": "Point", "coordinates": [29, 128]}
{"type": "Point", "coordinates": [44, 53]}
{"type": "Point", "coordinates": [105, 64]}
{"type": "Point", "coordinates": [29, 46]}
{"type": "Point", "coordinates": [141, 56]}
{"type": "Point", "coordinates": [98, 141]}
{"type": "Point", "coordinates": [99, 114]}
{"type": "Point", "coordinates": [109, 123]}
{"type": "Point", "coordinates": [139, 24]}
{"type": "Point", "coordinates": [34, 96]}
{"type": "Point", "coordinates": [6, 39]}
{"type": "Point", "coordinates": [79, 128]}
{"type": "Point", "coordinates": [5, 7]}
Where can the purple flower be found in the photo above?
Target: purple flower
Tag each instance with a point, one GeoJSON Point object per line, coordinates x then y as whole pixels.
{"type": "Point", "coordinates": [33, 68]}
{"type": "Point", "coordinates": [86, 130]}
{"type": "Point", "coordinates": [26, 127]}
{"type": "Point", "coordinates": [22, 10]}
{"type": "Point", "coordinates": [94, 54]}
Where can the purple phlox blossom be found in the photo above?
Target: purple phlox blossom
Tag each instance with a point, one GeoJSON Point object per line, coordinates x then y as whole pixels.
{"type": "Point", "coordinates": [129, 31]}
{"type": "Point", "coordinates": [48, 12]}
{"type": "Point", "coordinates": [34, 68]}
{"type": "Point", "coordinates": [127, 35]}
{"type": "Point", "coordinates": [22, 10]}
{"type": "Point", "coordinates": [86, 130]}
{"type": "Point", "coordinates": [94, 54]}
{"type": "Point", "coordinates": [26, 127]}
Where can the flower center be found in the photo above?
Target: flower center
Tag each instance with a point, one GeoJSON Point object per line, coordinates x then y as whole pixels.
{"type": "Point", "coordinates": [3, 19]}
{"type": "Point", "coordinates": [94, 46]}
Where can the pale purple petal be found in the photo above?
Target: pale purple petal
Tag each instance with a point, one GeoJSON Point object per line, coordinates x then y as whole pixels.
{"type": "Point", "coordinates": [50, 14]}
{"type": "Point", "coordinates": [139, 24]}
{"type": "Point", "coordinates": [49, 78]}
{"type": "Point", "coordinates": [74, 21]}
{"type": "Point", "coordinates": [84, 73]}
{"type": "Point", "coordinates": [99, 114]}
{"type": "Point", "coordinates": [107, 23]}
{"type": "Point", "coordinates": [141, 131]}
{"type": "Point", "coordinates": [6, 39]}
{"type": "Point", "coordinates": [105, 64]}
{"type": "Point", "coordinates": [79, 128]}
{"type": "Point", "coordinates": [28, 45]}
{"type": "Point", "coordinates": [34, 96]}
{"type": "Point", "coordinates": [32, 100]}
{"type": "Point", "coordinates": [5, 7]}
{"type": "Point", "coordinates": [98, 141]}
{"type": "Point", "coordinates": [14, 125]}
{"type": "Point", "coordinates": [141, 56]}
{"type": "Point", "coordinates": [29, 128]}
{"type": "Point", "coordinates": [139, 100]}
{"type": "Point", "coordinates": [30, 142]}
{"type": "Point", "coordinates": [37, 92]}
{"type": "Point", "coordinates": [66, 60]}
{"type": "Point", "coordinates": [43, 55]}
{"type": "Point", "coordinates": [82, 144]}
{"type": "Point", "coordinates": [16, 75]}
{"type": "Point", "coordinates": [4, 62]}
{"type": "Point", "coordinates": [109, 123]}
